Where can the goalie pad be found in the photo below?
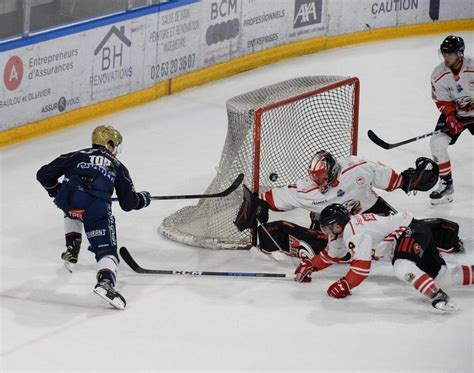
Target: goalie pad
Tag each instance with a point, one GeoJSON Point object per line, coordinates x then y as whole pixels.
{"type": "Point", "coordinates": [445, 234]}
{"type": "Point", "coordinates": [423, 177]}
{"type": "Point", "coordinates": [251, 210]}
{"type": "Point", "coordinates": [293, 239]}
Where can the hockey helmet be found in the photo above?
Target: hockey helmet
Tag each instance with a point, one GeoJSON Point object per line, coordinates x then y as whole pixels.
{"type": "Point", "coordinates": [323, 169]}
{"type": "Point", "coordinates": [105, 134]}
{"type": "Point", "coordinates": [452, 44]}
{"type": "Point", "coordinates": [333, 214]}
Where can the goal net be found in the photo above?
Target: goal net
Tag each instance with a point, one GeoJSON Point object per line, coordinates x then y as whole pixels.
{"type": "Point", "coordinates": [272, 134]}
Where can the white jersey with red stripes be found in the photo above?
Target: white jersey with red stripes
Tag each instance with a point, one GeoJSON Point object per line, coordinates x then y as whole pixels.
{"type": "Point", "coordinates": [370, 236]}
{"type": "Point", "coordinates": [447, 87]}
{"type": "Point", "coordinates": [352, 187]}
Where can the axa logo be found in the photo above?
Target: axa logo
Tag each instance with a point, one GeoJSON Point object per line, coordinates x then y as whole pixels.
{"type": "Point", "coordinates": [13, 73]}
{"type": "Point", "coordinates": [112, 55]}
{"type": "Point", "coordinates": [307, 12]}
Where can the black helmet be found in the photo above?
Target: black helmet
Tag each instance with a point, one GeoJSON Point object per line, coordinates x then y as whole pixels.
{"type": "Point", "coordinates": [452, 44]}
{"type": "Point", "coordinates": [332, 214]}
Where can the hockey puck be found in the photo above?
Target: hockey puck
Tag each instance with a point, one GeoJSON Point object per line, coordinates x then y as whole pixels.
{"type": "Point", "coordinates": [273, 176]}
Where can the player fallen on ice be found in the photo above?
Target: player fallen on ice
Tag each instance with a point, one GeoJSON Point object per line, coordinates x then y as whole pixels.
{"type": "Point", "coordinates": [349, 181]}
{"type": "Point", "coordinates": [453, 93]}
{"type": "Point", "coordinates": [400, 238]}
{"type": "Point", "coordinates": [84, 195]}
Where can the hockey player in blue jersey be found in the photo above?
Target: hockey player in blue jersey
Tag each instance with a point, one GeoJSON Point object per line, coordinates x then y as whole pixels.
{"type": "Point", "coordinates": [84, 195]}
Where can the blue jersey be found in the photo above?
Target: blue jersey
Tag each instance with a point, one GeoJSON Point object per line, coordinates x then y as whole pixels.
{"type": "Point", "coordinates": [94, 171]}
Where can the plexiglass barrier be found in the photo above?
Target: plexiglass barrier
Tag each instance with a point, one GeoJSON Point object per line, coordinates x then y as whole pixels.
{"type": "Point", "coordinates": [20, 18]}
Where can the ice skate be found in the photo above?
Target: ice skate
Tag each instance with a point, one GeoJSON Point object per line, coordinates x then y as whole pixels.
{"type": "Point", "coordinates": [106, 291]}
{"type": "Point", "coordinates": [444, 193]}
{"type": "Point", "coordinates": [71, 255]}
{"type": "Point", "coordinates": [442, 302]}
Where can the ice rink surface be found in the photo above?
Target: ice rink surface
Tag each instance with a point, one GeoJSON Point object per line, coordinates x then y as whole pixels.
{"type": "Point", "coordinates": [52, 321]}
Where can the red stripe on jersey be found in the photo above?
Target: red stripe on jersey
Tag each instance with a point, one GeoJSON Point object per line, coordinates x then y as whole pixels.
{"type": "Point", "coordinates": [401, 244]}
{"type": "Point", "coordinates": [467, 275]}
{"type": "Point", "coordinates": [268, 197]}
{"type": "Point", "coordinates": [321, 260]}
{"type": "Point", "coordinates": [437, 79]}
{"type": "Point", "coordinates": [395, 234]}
{"type": "Point", "coordinates": [307, 191]}
{"type": "Point", "coordinates": [468, 71]}
{"type": "Point", "coordinates": [358, 272]}
{"type": "Point", "coordinates": [425, 285]}
{"type": "Point", "coordinates": [395, 181]}
{"type": "Point", "coordinates": [351, 167]}
{"type": "Point", "coordinates": [406, 244]}
{"type": "Point", "coordinates": [352, 228]}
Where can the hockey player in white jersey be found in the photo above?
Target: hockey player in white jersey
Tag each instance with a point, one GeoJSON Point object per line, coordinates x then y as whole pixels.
{"type": "Point", "coordinates": [348, 181]}
{"type": "Point", "coordinates": [453, 92]}
{"type": "Point", "coordinates": [399, 238]}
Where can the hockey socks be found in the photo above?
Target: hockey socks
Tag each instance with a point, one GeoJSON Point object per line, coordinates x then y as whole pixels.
{"type": "Point", "coordinates": [106, 278]}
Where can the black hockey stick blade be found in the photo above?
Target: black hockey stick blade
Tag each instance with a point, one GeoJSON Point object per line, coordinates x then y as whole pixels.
{"type": "Point", "coordinates": [377, 140]}
{"type": "Point", "coordinates": [127, 257]}
{"type": "Point", "coordinates": [224, 193]}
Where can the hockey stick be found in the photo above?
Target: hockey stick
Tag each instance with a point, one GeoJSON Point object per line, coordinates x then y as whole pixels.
{"type": "Point", "coordinates": [224, 193]}
{"type": "Point", "coordinates": [125, 254]}
{"type": "Point", "coordinates": [386, 145]}
{"type": "Point", "coordinates": [377, 140]}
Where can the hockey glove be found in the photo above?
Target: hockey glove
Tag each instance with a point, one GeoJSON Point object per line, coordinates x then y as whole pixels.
{"type": "Point", "coordinates": [423, 177]}
{"type": "Point", "coordinates": [340, 289]}
{"type": "Point", "coordinates": [144, 199]}
{"type": "Point", "coordinates": [252, 208]}
{"type": "Point", "coordinates": [53, 190]}
{"type": "Point", "coordinates": [455, 127]}
{"type": "Point", "coordinates": [304, 270]}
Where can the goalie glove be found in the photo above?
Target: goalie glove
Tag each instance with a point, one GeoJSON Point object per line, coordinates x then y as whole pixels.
{"type": "Point", "coordinates": [251, 210]}
{"type": "Point", "coordinates": [422, 178]}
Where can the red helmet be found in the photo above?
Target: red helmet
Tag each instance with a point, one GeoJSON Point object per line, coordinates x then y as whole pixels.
{"type": "Point", "coordinates": [323, 169]}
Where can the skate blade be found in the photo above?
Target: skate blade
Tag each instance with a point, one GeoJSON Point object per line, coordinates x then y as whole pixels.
{"type": "Point", "coordinates": [116, 302]}
{"type": "Point", "coordinates": [446, 307]}
{"type": "Point", "coordinates": [441, 201]}
{"type": "Point", "coordinates": [69, 266]}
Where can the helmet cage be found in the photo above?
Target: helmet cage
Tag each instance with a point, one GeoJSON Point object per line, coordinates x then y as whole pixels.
{"type": "Point", "coordinates": [323, 170]}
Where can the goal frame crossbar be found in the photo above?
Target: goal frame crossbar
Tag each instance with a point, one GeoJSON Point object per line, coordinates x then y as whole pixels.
{"type": "Point", "coordinates": [259, 113]}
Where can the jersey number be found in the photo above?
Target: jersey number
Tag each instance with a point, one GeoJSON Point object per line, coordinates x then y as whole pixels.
{"type": "Point", "coordinates": [99, 160]}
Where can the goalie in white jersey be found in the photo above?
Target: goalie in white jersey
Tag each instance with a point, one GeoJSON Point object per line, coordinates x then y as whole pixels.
{"type": "Point", "coordinates": [399, 238]}
{"type": "Point", "coordinates": [348, 181]}
{"type": "Point", "coordinates": [452, 86]}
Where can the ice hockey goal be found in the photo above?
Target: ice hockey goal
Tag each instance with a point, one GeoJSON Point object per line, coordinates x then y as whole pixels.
{"type": "Point", "coordinates": [272, 134]}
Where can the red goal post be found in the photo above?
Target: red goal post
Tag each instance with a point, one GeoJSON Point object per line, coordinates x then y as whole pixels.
{"type": "Point", "coordinates": [272, 134]}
